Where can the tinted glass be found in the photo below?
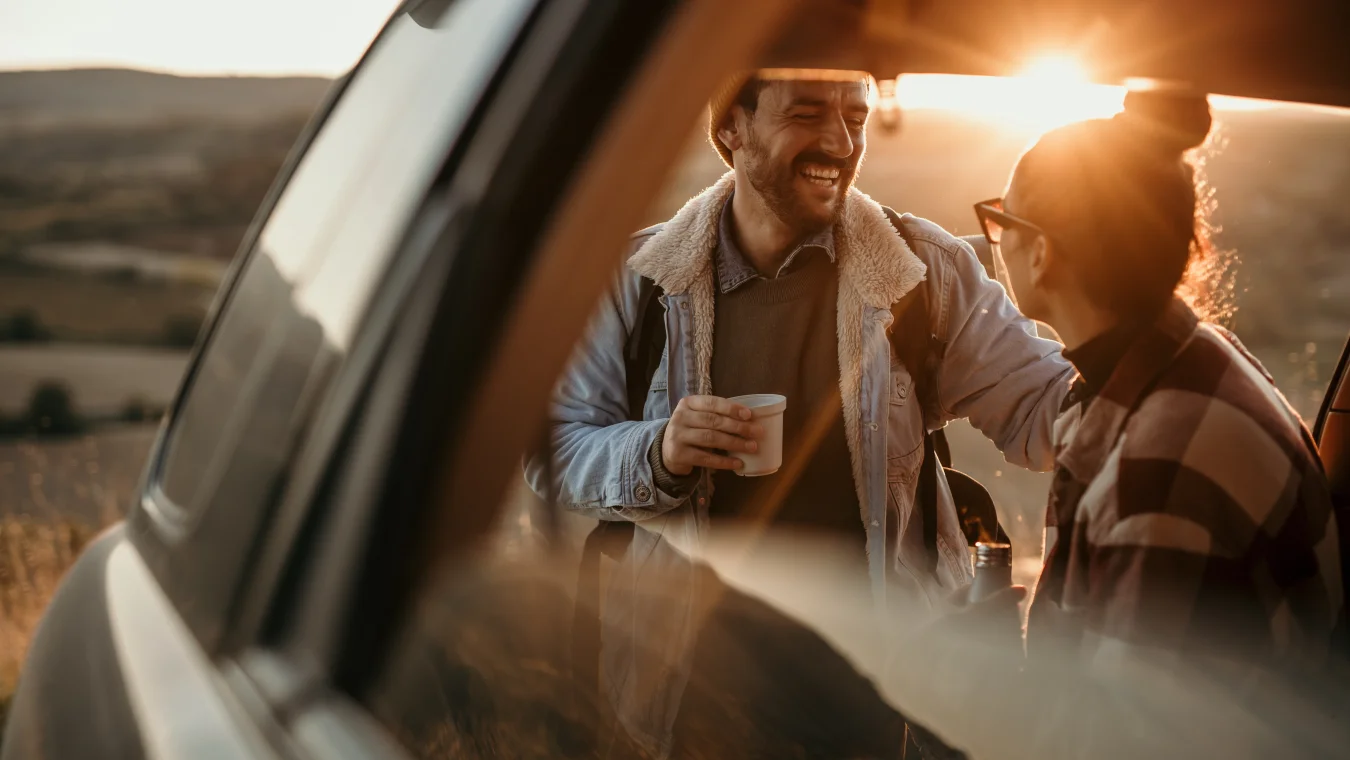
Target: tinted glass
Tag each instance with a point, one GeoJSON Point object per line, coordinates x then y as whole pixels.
{"type": "Point", "coordinates": [508, 652]}
{"type": "Point", "coordinates": [542, 643]}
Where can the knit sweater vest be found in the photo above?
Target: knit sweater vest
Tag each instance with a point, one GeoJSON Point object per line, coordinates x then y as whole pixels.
{"type": "Point", "coordinates": [779, 336]}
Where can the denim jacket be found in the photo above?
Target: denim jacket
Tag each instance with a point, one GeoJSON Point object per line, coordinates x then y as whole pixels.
{"type": "Point", "coordinates": [995, 371]}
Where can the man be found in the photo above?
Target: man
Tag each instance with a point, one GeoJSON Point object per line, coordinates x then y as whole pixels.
{"type": "Point", "coordinates": [781, 278]}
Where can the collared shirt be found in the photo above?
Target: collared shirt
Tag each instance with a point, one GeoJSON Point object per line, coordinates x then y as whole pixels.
{"type": "Point", "coordinates": [734, 269]}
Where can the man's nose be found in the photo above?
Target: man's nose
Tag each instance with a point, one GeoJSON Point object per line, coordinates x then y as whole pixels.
{"type": "Point", "coordinates": [835, 139]}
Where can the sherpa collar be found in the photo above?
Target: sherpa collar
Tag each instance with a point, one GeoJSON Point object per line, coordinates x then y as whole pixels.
{"type": "Point", "coordinates": [873, 257]}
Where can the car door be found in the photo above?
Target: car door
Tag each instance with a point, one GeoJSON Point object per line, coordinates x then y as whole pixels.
{"type": "Point", "coordinates": [315, 292]}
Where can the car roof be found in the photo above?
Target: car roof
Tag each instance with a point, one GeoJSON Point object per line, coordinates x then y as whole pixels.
{"type": "Point", "coordinates": [1293, 50]}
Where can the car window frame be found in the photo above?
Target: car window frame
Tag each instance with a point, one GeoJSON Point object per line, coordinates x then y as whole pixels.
{"type": "Point", "coordinates": [166, 544]}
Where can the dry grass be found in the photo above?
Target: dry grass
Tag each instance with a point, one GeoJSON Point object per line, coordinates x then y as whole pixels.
{"type": "Point", "coordinates": [34, 556]}
{"type": "Point", "coordinates": [54, 497]}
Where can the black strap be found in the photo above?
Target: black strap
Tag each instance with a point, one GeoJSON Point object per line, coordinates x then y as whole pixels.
{"type": "Point", "coordinates": [646, 342]}
{"type": "Point", "coordinates": [610, 539]}
{"type": "Point", "coordinates": [915, 345]}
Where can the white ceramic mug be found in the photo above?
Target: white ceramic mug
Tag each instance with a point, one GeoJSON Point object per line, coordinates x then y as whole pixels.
{"type": "Point", "coordinates": [767, 410]}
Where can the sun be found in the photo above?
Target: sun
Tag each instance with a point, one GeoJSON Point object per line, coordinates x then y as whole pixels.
{"type": "Point", "coordinates": [1054, 89]}
{"type": "Point", "coordinates": [1055, 67]}
{"type": "Point", "coordinates": [1051, 90]}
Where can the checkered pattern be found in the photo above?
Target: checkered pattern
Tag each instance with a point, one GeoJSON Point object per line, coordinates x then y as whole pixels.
{"type": "Point", "coordinates": [1189, 520]}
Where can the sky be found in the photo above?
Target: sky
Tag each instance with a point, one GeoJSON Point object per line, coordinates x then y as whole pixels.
{"type": "Point", "coordinates": [326, 37]}
{"type": "Point", "coordinates": [270, 37]}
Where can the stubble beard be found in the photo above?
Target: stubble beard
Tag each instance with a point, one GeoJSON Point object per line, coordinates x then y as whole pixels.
{"type": "Point", "coordinates": [775, 184]}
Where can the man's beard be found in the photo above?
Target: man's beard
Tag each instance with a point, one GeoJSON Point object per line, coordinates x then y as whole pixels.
{"type": "Point", "coordinates": [775, 183]}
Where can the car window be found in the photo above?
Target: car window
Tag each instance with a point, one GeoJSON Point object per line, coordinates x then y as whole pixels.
{"type": "Point", "coordinates": [503, 654]}
{"type": "Point", "coordinates": [509, 650]}
{"type": "Point", "coordinates": [301, 294]}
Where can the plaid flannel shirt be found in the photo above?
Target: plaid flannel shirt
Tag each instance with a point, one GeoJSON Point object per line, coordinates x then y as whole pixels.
{"type": "Point", "coordinates": [1189, 522]}
{"type": "Point", "coordinates": [1192, 602]}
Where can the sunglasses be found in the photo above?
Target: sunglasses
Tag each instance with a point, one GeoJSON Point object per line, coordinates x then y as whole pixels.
{"type": "Point", "coordinates": [994, 220]}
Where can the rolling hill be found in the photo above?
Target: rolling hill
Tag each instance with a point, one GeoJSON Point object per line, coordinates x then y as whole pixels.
{"type": "Point", "coordinates": [122, 96]}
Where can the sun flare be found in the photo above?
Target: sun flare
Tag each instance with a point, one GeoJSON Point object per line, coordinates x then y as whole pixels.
{"type": "Point", "coordinates": [1051, 90]}
{"type": "Point", "coordinates": [1055, 67]}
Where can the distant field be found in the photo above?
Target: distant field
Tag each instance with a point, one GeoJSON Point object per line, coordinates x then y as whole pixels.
{"type": "Point", "coordinates": [95, 309]}
{"type": "Point", "coordinates": [90, 478]}
{"type": "Point", "coordinates": [102, 379]}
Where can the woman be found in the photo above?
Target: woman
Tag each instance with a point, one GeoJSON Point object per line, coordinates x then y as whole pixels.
{"type": "Point", "coordinates": [1191, 561]}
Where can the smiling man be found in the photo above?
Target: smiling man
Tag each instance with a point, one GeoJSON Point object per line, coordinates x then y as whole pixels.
{"type": "Point", "coordinates": [782, 278]}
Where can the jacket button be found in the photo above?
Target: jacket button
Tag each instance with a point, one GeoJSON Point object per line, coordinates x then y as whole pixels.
{"type": "Point", "coordinates": [872, 425]}
{"type": "Point", "coordinates": [642, 492]}
{"type": "Point", "coordinates": [876, 523]}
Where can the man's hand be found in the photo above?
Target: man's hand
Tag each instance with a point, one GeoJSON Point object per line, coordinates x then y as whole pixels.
{"type": "Point", "coordinates": [701, 429]}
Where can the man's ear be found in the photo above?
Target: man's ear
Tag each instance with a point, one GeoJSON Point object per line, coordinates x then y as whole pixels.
{"type": "Point", "coordinates": [731, 133]}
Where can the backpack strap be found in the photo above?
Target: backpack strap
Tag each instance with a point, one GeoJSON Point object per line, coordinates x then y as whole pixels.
{"type": "Point", "coordinates": [919, 349]}
{"type": "Point", "coordinates": [642, 351]}
{"type": "Point", "coordinates": [611, 538]}
{"type": "Point", "coordinates": [915, 345]}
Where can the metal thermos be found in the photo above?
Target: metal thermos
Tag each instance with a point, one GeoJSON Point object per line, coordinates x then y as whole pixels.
{"type": "Point", "coordinates": [993, 570]}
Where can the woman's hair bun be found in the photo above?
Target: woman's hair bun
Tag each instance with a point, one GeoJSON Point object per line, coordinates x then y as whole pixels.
{"type": "Point", "coordinates": [1172, 121]}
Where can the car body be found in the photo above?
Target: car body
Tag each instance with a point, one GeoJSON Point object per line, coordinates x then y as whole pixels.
{"type": "Point", "coordinates": [385, 344]}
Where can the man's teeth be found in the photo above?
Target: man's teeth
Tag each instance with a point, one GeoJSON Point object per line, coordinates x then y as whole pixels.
{"type": "Point", "coordinates": [824, 176]}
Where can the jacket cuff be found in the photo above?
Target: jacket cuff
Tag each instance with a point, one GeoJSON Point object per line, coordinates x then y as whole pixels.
{"type": "Point", "coordinates": [674, 486]}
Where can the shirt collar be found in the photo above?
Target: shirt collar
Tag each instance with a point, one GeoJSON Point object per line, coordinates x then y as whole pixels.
{"type": "Point", "coordinates": [1096, 359]}
{"type": "Point", "coordinates": [734, 270]}
{"type": "Point", "coordinates": [1123, 360]}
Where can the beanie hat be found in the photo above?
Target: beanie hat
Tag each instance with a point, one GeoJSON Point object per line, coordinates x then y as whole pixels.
{"type": "Point", "coordinates": [721, 102]}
